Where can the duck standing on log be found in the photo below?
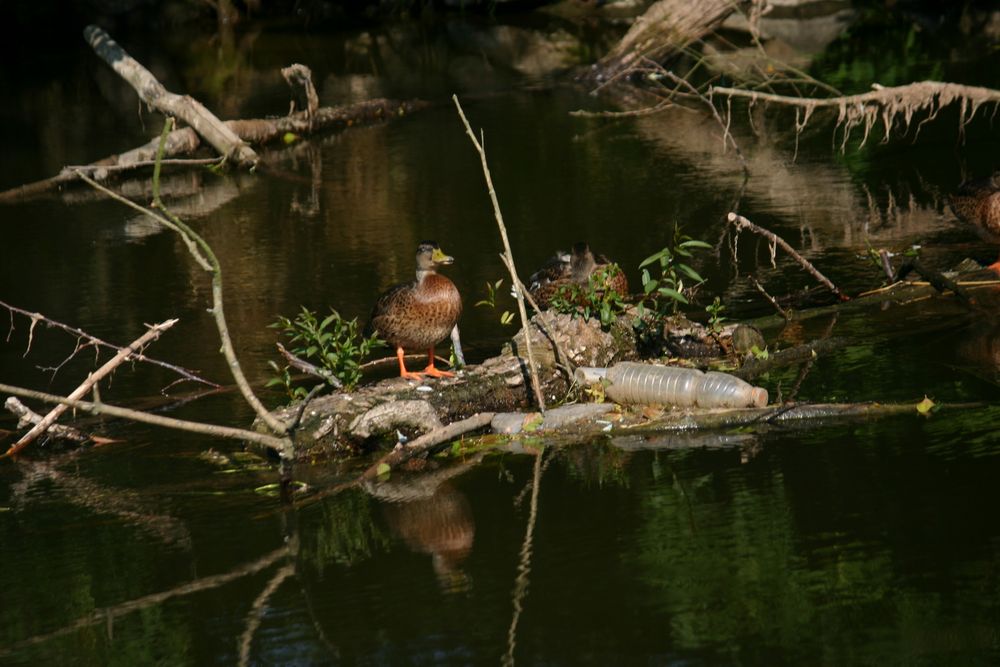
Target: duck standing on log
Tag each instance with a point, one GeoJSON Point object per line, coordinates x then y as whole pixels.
{"type": "Point", "coordinates": [419, 314]}
{"type": "Point", "coordinates": [576, 268]}
{"type": "Point", "coordinates": [978, 204]}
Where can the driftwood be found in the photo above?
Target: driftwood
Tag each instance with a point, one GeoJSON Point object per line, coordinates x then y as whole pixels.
{"type": "Point", "coordinates": [152, 92]}
{"type": "Point", "coordinates": [887, 106]}
{"type": "Point", "coordinates": [667, 27]}
{"type": "Point", "coordinates": [231, 139]}
{"type": "Point", "coordinates": [152, 334]}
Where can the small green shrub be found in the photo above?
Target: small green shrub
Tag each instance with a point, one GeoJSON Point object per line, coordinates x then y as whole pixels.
{"type": "Point", "coordinates": [666, 291]}
{"type": "Point", "coordinates": [333, 345]}
{"type": "Point", "coordinates": [593, 299]}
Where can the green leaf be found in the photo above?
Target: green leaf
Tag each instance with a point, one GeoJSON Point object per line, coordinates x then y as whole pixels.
{"type": "Point", "coordinates": [383, 469]}
{"type": "Point", "coordinates": [673, 294]}
{"type": "Point", "coordinates": [690, 273]}
{"type": "Point", "coordinates": [694, 243]}
{"type": "Point", "coordinates": [655, 258]}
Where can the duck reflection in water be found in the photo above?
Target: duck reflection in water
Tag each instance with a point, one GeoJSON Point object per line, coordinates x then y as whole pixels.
{"type": "Point", "coordinates": [432, 517]}
{"type": "Point", "coordinates": [977, 203]}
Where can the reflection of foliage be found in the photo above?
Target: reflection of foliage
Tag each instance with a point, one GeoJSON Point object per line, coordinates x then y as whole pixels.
{"type": "Point", "coordinates": [883, 46]}
{"type": "Point", "coordinates": [347, 533]}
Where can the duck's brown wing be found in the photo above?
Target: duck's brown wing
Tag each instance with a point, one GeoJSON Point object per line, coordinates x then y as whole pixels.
{"type": "Point", "coordinates": [417, 316]}
{"type": "Point", "coordinates": [977, 203]}
{"type": "Point", "coordinates": [555, 268]}
{"type": "Point", "coordinates": [388, 309]}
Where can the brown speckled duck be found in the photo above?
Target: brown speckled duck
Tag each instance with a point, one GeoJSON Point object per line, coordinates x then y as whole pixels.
{"type": "Point", "coordinates": [575, 268]}
{"type": "Point", "coordinates": [419, 314]}
{"type": "Point", "coordinates": [978, 204]}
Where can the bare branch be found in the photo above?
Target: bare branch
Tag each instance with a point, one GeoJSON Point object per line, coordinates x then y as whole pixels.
{"type": "Point", "coordinates": [742, 223]}
{"type": "Point", "coordinates": [79, 333]}
{"type": "Point", "coordinates": [152, 92]}
{"type": "Point", "coordinates": [536, 387]}
{"type": "Point", "coordinates": [152, 334]}
{"type": "Point", "coordinates": [279, 444]}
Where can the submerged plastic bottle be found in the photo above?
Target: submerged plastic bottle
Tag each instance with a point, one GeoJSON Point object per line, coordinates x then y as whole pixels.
{"type": "Point", "coordinates": [670, 385]}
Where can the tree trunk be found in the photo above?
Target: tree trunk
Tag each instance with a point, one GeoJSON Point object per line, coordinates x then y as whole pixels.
{"type": "Point", "coordinates": [667, 27]}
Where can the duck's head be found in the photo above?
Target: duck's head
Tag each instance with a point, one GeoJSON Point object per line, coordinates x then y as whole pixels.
{"type": "Point", "coordinates": [581, 262]}
{"type": "Point", "coordinates": [430, 256]}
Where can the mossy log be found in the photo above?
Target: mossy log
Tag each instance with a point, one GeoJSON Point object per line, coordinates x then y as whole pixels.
{"type": "Point", "coordinates": [347, 423]}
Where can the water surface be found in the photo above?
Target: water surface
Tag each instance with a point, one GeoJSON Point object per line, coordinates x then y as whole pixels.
{"type": "Point", "coordinates": [828, 543]}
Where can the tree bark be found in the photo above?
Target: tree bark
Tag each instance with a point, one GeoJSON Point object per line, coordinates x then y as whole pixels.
{"type": "Point", "coordinates": [667, 27]}
{"type": "Point", "coordinates": [152, 92]}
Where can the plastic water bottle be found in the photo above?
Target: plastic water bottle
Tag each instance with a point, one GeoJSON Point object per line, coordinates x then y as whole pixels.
{"type": "Point", "coordinates": [670, 385]}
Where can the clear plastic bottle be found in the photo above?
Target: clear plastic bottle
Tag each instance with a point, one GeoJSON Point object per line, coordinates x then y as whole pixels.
{"type": "Point", "coordinates": [670, 385]}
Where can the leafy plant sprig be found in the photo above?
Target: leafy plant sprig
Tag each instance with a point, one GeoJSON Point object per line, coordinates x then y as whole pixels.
{"type": "Point", "coordinates": [492, 289]}
{"type": "Point", "coordinates": [667, 289]}
{"type": "Point", "coordinates": [333, 344]}
{"type": "Point", "coordinates": [715, 317]}
{"type": "Point", "coordinates": [595, 299]}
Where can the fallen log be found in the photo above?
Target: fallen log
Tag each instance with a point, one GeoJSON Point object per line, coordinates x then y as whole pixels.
{"type": "Point", "coordinates": [232, 139]}
{"type": "Point", "coordinates": [185, 141]}
{"type": "Point", "coordinates": [349, 423]}
{"type": "Point", "coordinates": [153, 93]}
{"type": "Point", "coordinates": [663, 30]}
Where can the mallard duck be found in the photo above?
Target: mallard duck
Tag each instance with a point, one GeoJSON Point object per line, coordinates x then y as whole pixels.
{"type": "Point", "coordinates": [978, 204]}
{"type": "Point", "coordinates": [575, 268]}
{"type": "Point", "coordinates": [419, 314]}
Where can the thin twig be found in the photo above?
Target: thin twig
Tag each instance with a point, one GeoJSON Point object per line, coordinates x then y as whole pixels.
{"type": "Point", "coordinates": [770, 299]}
{"type": "Point", "coordinates": [152, 334]}
{"type": "Point", "coordinates": [138, 356]}
{"type": "Point", "coordinates": [279, 444]}
{"type": "Point", "coordinates": [539, 398]}
{"type": "Point", "coordinates": [727, 136]}
{"type": "Point", "coordinates": [742, 223]}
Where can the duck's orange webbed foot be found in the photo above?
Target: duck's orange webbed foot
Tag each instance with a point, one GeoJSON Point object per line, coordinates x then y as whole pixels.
{"type": "Point", "coordinates": [403, 373]}
{"type": "Point", "coordinates": [434, 372]}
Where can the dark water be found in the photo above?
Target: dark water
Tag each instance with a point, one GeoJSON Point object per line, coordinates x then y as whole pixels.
{"type": "Point", "coordinates": [862, 542]}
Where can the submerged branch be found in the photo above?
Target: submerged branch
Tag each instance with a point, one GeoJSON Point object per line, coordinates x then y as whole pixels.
{"type": "Point", "coordinates": [278, 444]}
{"type": "Point", "coordinates": [742, 223]}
